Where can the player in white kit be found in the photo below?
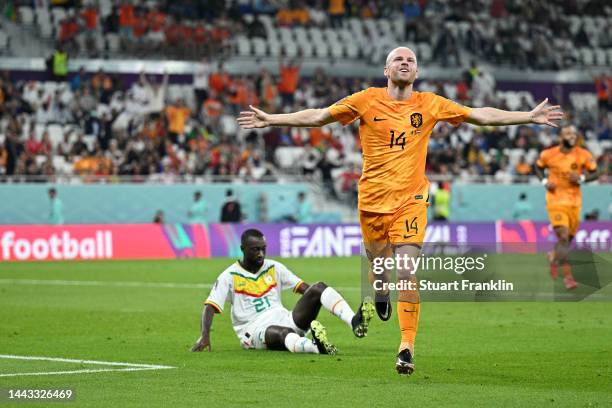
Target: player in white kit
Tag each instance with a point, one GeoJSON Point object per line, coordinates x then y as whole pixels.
{"type": "Point", "coordinates": [253, 287]}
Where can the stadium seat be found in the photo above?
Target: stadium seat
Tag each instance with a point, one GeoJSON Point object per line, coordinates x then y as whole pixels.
{"type": "Point", "coordinates": [112, 42]}
{"type": "Point", "coordinates": [45, 28]}
{"type": "Point", "coordinates": [336, 50]}
{"type": "Point", "coordinates": [386, 29]}
{"type": "Point", "coordinates": [600, 56]}
{"type": "Point", "coordinates": [345, 35]}
{"type": "Point", "coordinates": [243, 47]}
{"type": "Point", "coordinates": [274, 47]}
{"type": "Point", "coordinates": [58, 14]}
{"type": "Point", "coordinates": [352, 51]}
{"type": "Point", "coordinates": [322, 50]}
{"type": "Point", "coordinates": [26, 15]}
{"type": "Point", "coordinates": [398, 26]}
{"type": "Point", "coordinates": [288, 157]}
{"type": "Point", "coordinates": [300, 34]}
{"type": "Point", "coordinates": [372, 29]}
{"type": "Point", "coordinates": [306, 49]}
{"type": "Point", "coordinates": [588, 58]}
{"type": "Point", "coordinates": [285, 34]}
{"type": "Point", "coordinates": [291, 49]}
{"type": "Point", "coordinates": [424, 52]}
{"type": "Point", "coordinates": [56, 134]}
{"type": "Point", "coordinates": [4, 41]}
{"type": "Point", "coordinates": [594, 147]}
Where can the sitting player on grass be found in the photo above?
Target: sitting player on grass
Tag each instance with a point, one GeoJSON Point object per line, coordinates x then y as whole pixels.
{"type": "Point", "coordinates": [260, 320]}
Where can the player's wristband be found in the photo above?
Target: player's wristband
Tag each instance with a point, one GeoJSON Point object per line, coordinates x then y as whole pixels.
{"type": "Point", "coordinates": [582, 178]}
{"type": "Point", "coordinates": [544, 181]}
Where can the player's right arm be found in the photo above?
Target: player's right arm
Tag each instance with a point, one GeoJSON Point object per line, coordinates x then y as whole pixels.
{"type": "Point", "coordinates": [214, 304]}
{"type": "Point", "coordinates": [203, 342]}
{"type": "Point", "coordinates": [540, 168]}
{"type": "Point", "coordinates": [256, 118]}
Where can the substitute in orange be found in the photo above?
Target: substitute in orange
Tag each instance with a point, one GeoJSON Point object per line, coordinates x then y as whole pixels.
{"type": "Point", "coordinates": [568, 167]}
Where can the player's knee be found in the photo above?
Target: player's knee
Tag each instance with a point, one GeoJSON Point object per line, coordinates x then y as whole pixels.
{"type": "Point", "coordinates": [285, 331]}
{"type": "Point", "coordinates": [317, 288]}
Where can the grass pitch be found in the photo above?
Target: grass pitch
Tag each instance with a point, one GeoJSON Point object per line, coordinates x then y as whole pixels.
{"type": "Point", "coordinates": [476, 354]}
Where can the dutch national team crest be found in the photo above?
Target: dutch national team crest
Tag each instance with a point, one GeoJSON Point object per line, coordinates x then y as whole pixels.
{"type": "Point", "coordinates": [416, 119]}
{"type": "Point", "coordinates": [574, 166]}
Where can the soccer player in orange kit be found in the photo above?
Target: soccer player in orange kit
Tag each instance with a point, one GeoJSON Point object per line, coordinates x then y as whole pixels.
{"type": "Point", "coordinates": [567, 165]}
{"type": "Point", "coordinates": [395, 125]}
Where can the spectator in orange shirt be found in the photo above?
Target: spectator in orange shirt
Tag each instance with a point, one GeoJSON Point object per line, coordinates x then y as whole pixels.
{"type": "Point", "coordinates": [212, 109]}
{"type": "Point", "coordinates": [523, 170]}
{"type": "Point", "coordinates": [336, 12]}
{"type": "Point", "coordinates": [177, 115]}
{"type": "Point", "coordinates": [126, 20]}
{"type": "Point", "coordinates": [219, 80]}
{"type": "Point", "coordinates": [289, 78]}
{"type": "Point", "coordinates": [603, 89]}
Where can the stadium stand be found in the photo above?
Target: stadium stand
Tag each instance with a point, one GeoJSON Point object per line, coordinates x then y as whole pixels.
{"type": "Point", "coordinates": [100, 127]}
{"type": "Point", "coordinates": [554, 35]}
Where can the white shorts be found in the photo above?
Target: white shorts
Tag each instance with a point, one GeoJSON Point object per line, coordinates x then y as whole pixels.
{"type": "Point", "coordinates": [254, 336]}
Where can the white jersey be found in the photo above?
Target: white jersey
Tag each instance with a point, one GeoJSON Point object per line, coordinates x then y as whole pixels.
{"type": "Point", "coordinates": [251, 294]}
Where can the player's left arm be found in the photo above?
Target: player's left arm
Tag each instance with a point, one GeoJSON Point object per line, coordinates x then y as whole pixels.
{"type": "Point", "coordinates": [592, 172]}
{"type": "Point", "coordinates": [303, 287]}
{"type": "Point", "coordinates": [541, 114]}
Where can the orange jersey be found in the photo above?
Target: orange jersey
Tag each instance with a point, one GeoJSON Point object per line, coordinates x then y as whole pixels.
{"type": "Point", "coordinates": [559, 166]}
{"type": "Point", "coordinates": [394, 138]}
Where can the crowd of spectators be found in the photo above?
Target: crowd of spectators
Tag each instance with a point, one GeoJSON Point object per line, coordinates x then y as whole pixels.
{"type": "Point", "coordinates": [141, 131]}
{"type": "Point", "coordinates": [520, 33]}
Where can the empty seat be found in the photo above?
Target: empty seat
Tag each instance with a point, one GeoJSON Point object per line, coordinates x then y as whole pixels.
{"type": "Point", "coordinates": [112, 42]}
{"type": "Point", "coordinates": [587, 56]}
{"type": "Point", "coordinates": [243, 47]}
{"type": "Point", "coordinates": [259, 47]}
{"type": "Point", "coordinates": [26, 15]}
{"type": "Point", "coordinates": [275, 48]}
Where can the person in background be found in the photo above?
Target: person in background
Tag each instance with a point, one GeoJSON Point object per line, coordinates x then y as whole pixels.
{"type": "Point", "coordinates": [56, 216]}
{"type": "Point", "coordinates": [159, 217]}
{"type": "Point", "coordinates": [231, 211]}
{"type": "Point", "coordinates": [199, 209]}
{"type": "Point", "coordinates": [522, 209]}
{"type": "Point", "coordinates": [441, 201]}
{"type": "Point", "coordinates": [304, 209]}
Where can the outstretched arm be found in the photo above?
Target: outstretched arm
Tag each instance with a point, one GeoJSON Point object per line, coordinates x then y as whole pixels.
{"type": "Point", "coordinates": [203, 342]}
{"type": "Point", "coordinates": [541, 114]}
{"type": "Point", "coordinates": [256, 118]}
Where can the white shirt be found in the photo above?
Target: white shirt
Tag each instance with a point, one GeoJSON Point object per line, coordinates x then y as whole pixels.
{"type": "Point", "coordinates": [200, 77]}
{"type": "Point", "coordinates": [251, 294]}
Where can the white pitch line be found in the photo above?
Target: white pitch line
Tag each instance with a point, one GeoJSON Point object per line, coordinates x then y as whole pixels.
{"type": "Point", "coordinates": [166, 285]}
{"type": "Point", "coordinates": [72, 360]}
{"type": "Point", "coordinates": [52, 282]}
{"type": "Point", "coordinates": [127, 366]}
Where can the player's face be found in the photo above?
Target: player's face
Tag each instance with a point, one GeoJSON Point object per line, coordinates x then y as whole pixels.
{"type": "Point", "coordinates": [254, 251]}
{"type": "Point", "coordinates": [402, 66]}
{"type": "Point", "coordinates": [568, 136]}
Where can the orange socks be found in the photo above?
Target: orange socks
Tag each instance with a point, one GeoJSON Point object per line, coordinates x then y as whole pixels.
{"type": "Point", "coordinates": [408, 316]}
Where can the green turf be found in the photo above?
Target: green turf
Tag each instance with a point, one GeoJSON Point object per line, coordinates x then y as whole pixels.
{"type": "Point", "coordinates": [468, 354]}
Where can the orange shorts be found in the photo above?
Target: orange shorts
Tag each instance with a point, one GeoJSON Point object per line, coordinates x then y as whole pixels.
{"type": "Point", "coordinates": [565, 216]}
{"type": "Point", "coordinates": [406, 226]}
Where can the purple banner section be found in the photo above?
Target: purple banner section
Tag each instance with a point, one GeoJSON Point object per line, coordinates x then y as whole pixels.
{"type": "Point", "coordinates": [327, 240]}
{"type": "Point", "coordinates": [593, 235]}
